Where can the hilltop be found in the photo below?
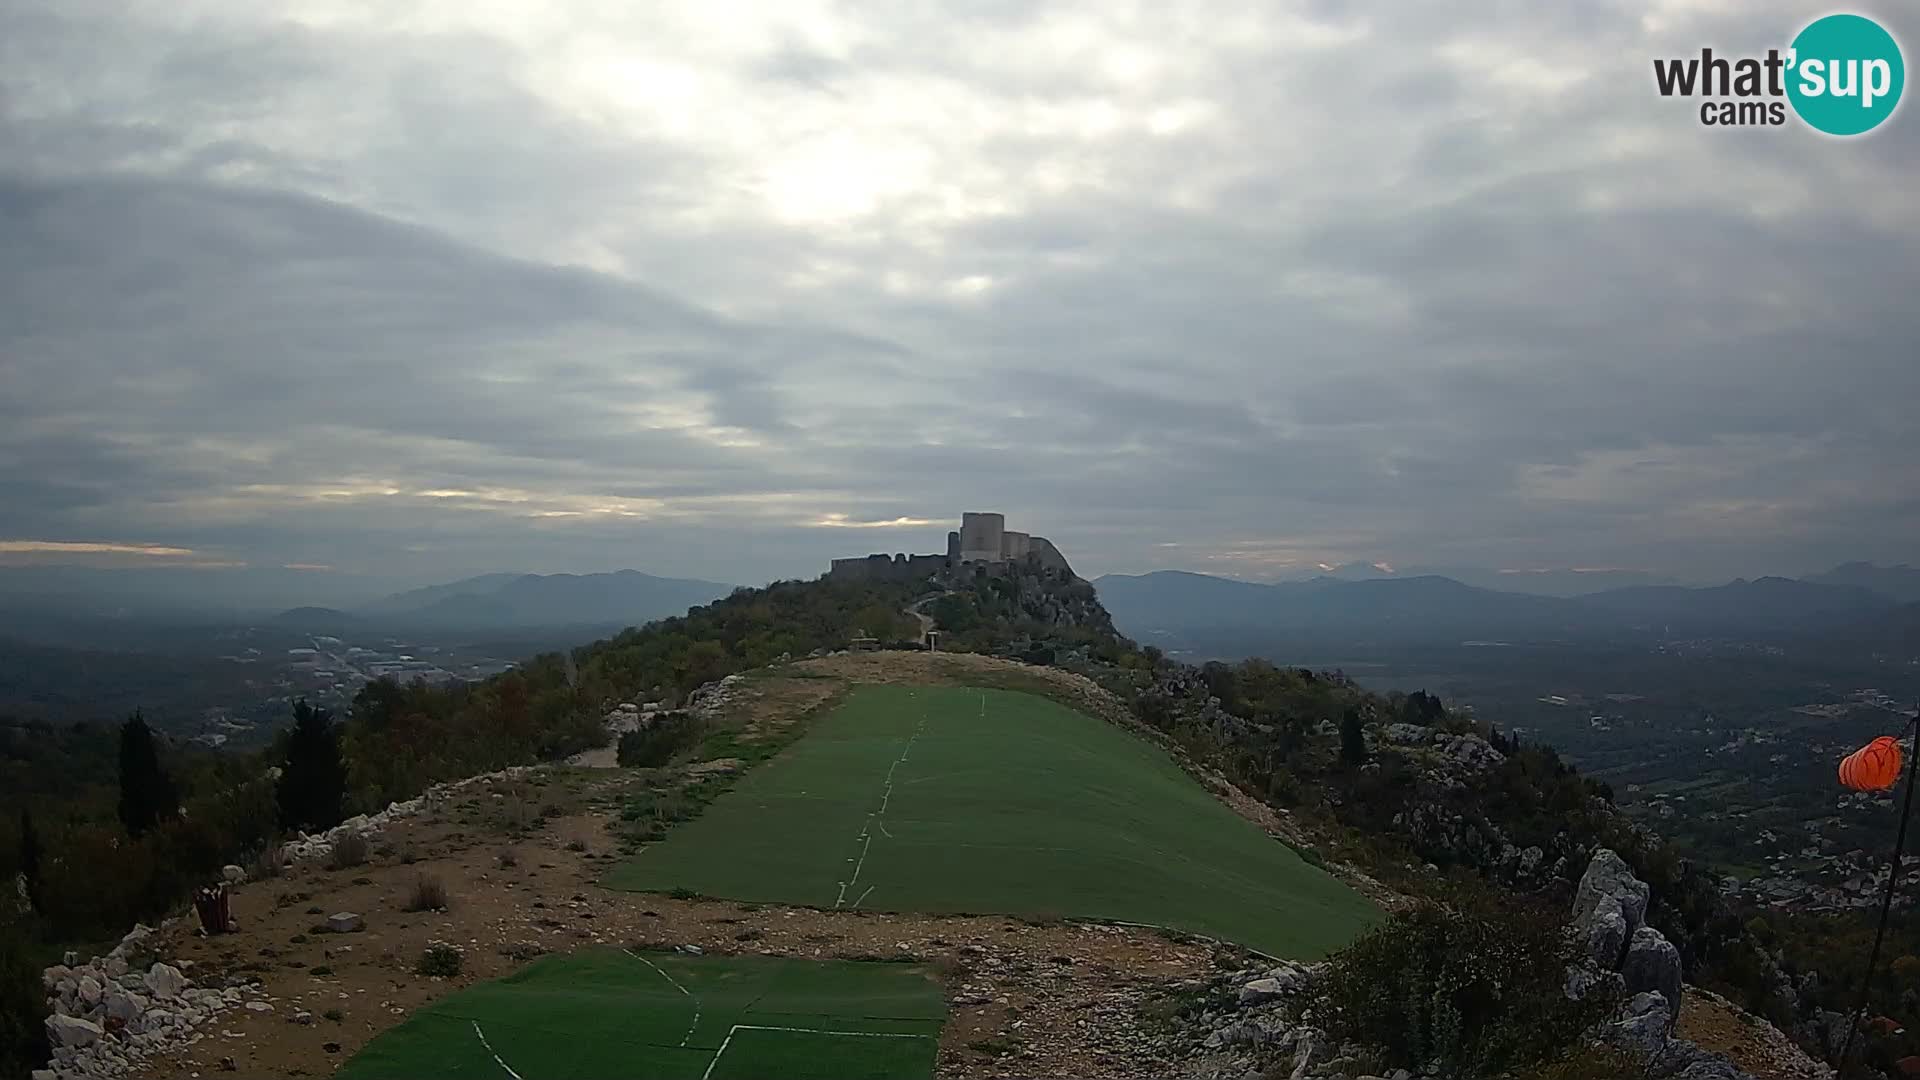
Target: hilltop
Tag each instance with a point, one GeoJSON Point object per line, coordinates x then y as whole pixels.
{"type": "Point", "coordinates": [1402, 799]}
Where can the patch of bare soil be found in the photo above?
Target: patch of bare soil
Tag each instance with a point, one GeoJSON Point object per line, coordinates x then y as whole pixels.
{"type": "Point", "coordinates": [1714, 1023]}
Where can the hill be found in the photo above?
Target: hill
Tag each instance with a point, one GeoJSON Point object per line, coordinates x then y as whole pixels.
{"type": "Point", "coordinates": [497, 601]}
{"type": "Point", "coordinates": [1763, 603]}
{"type": "Point", "coordinates": [1395, 795]}
{"type": "Point", "coordinates": [415, 599]}
{"type": "Point", "coordinates": [1220, 616]}
{"type": "Point", "coordinates": [1413, 608]}
{"type": "Point", "coordinates": [1898, 583]}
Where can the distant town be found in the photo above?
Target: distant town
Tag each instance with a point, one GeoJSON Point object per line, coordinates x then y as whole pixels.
{"type": "Point", "coordinates": [329, 671]}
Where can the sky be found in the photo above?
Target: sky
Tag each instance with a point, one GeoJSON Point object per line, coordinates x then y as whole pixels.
{"type": "Point", "coordinates": [362, 290]}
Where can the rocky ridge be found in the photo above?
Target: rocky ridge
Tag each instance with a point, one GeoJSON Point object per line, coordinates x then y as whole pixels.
{"type": "Point", "coordinates": [1250, 1022]}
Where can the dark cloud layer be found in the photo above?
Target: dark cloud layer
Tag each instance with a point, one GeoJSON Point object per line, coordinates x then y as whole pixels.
{"type": "Point", "coordinates": [1243, 290]}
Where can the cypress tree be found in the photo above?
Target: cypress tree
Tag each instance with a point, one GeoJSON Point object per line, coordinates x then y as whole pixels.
{"type": "Point", "coordinates": [313, 782]}
{"type": "Point", "coordinates": [147, 794]}
{"type": "Point", "coordinates": [1353, 741]}
{"type": "Point", "coordinates": [30, 856]}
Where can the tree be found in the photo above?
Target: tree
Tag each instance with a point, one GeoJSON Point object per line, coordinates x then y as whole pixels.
{"type": "Point", "coordinates": [313, 782]}
{"type": "Point", "coordinates": [1353, 741]}
{"type": "Point", "coordinates": [30, 856]}
{"type": "Point", "coordinates": [147, 794]}
{"type": "Point", "coordinates": [23, 1008]}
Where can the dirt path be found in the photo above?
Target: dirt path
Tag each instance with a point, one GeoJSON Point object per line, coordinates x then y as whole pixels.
{"type": "Point", "coordinates": [926, 620]}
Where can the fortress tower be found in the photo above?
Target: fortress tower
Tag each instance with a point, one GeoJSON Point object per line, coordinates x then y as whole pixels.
{"type": "Point", "coordinates": [982, 537]}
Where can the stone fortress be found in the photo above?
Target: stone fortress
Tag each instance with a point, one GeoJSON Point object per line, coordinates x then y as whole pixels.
{"type": "Point", "coordinates": [982, 544]}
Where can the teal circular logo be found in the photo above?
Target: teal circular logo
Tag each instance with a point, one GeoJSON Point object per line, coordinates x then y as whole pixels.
{"type": "Point", "coordinates": [1846, 74]}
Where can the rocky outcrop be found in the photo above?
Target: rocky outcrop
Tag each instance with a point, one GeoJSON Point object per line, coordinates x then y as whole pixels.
{"type": "Point", "coordinates": [1609, 910]}
{"type": "Point", "coordinates": [115, 1012]}
{"type": "Point", "coordinates": [1653, 964]}
{"type": "Point", "coordinates": [1248, 1028]}
{"type": "Point", "coordinates": [1626, 956]}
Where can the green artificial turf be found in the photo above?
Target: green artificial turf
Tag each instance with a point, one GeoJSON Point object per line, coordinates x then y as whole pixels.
{"type": "Point", "coordinates": [608, 1012]}
{"type": "Point", "coordinates": [953, 799]}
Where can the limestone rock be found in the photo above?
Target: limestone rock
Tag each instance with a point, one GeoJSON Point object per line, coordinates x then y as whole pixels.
{"type": "Point", "coordinates": [1653, 964]}
{"type": "Point", "coordinates": [71, 1031]}
{"type": "Point", "coordinates": [165, 981]}
{"type": "Point", "coordinates": [1261, 991]}
{"type": "Point", "coordinates": [1608, 875]}
{"type": "Point", "coordinates": [345, 922]}
{"type": "Point", "coordinates": [1606, 932]}
{"type": "Point", "coordinates": [123, 1006]}
{"type": "Point", "coordinates": [232, 874]}
{"type": "Point", "coordinates": [1642, 1027]}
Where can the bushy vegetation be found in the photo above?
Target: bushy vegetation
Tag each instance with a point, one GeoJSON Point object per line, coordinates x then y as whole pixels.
{"type": "Point", "coordinates": [23, 1009]}
{"type": "Point", "coordinates": [440, 959]}
{"type": "Point", "coordinates": [1836, 945]}
{"type": "Point", "coordinates": [429, 894]}
{"type": "Point", "coordinates": [656, 744]}
{"type": "Point", "coordinates": [1463, 990]}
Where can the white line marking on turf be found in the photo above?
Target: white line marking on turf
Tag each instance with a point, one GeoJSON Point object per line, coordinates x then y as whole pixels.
{"type": "Point", "coordinates": [724, 1043]}
{"type": "Point", "coordinates": [676, 985]}
{"type": "Point", "coordinates": [496, 1057]}
{"type": "Point", "coordinates": [879, 817]}
{"type": "Point", "coordinates": [863, 897]}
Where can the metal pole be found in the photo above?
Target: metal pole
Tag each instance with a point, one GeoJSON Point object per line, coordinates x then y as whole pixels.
{"type": "Point", "coordinates": [1886, 902]}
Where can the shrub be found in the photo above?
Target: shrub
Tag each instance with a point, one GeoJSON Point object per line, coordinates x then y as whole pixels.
{"type": "Point", "coordinates": [1476, 989]}
{"type": "Point", "coordinates": [349, 851]}
{"type": "Point", "coordinates": [656, 745]}
{"type": "Point", "coordinates": [429, 894]}
{"type": "Point", "coordinates": [1589, 1063]}
{"type": "Point", "coordinates": [441, 959]}
{"type": "Point", "coordinates": [270, 863]}
{"type": "Point", "coordinates": [23, 1010]}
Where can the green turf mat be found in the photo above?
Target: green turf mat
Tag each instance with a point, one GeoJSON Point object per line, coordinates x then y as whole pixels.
{"type": "Point", "coordinates": [612, 1013]}
{"type": "Point", "coordinates": [949, 799]}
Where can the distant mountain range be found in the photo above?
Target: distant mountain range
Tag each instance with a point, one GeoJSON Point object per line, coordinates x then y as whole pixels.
{"type": "Point", "coordinates": [1561, 582]}
{"type": "Point", "coordinates": [1900, 583]}
{"type": "Point", "coordinates": [503, 601]}
{"type": "Point", "coordinates": [1435, 608]}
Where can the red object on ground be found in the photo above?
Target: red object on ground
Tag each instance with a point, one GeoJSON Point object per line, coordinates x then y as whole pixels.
{"type": "Point", "coordinates": [215, 911]}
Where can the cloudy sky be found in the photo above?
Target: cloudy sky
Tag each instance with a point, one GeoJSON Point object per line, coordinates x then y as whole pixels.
{"type": "Point", "coordinates": [723, 289]}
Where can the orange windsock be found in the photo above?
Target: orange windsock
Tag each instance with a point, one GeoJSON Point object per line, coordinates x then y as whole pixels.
{"type": "Point", "coordinates": [1873, 767]}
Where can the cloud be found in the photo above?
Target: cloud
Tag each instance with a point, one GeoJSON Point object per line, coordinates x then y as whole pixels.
{"type": "Point", "coordinates": [81, 547]}
{"type": "Point", "coordinates": [675, 285]}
